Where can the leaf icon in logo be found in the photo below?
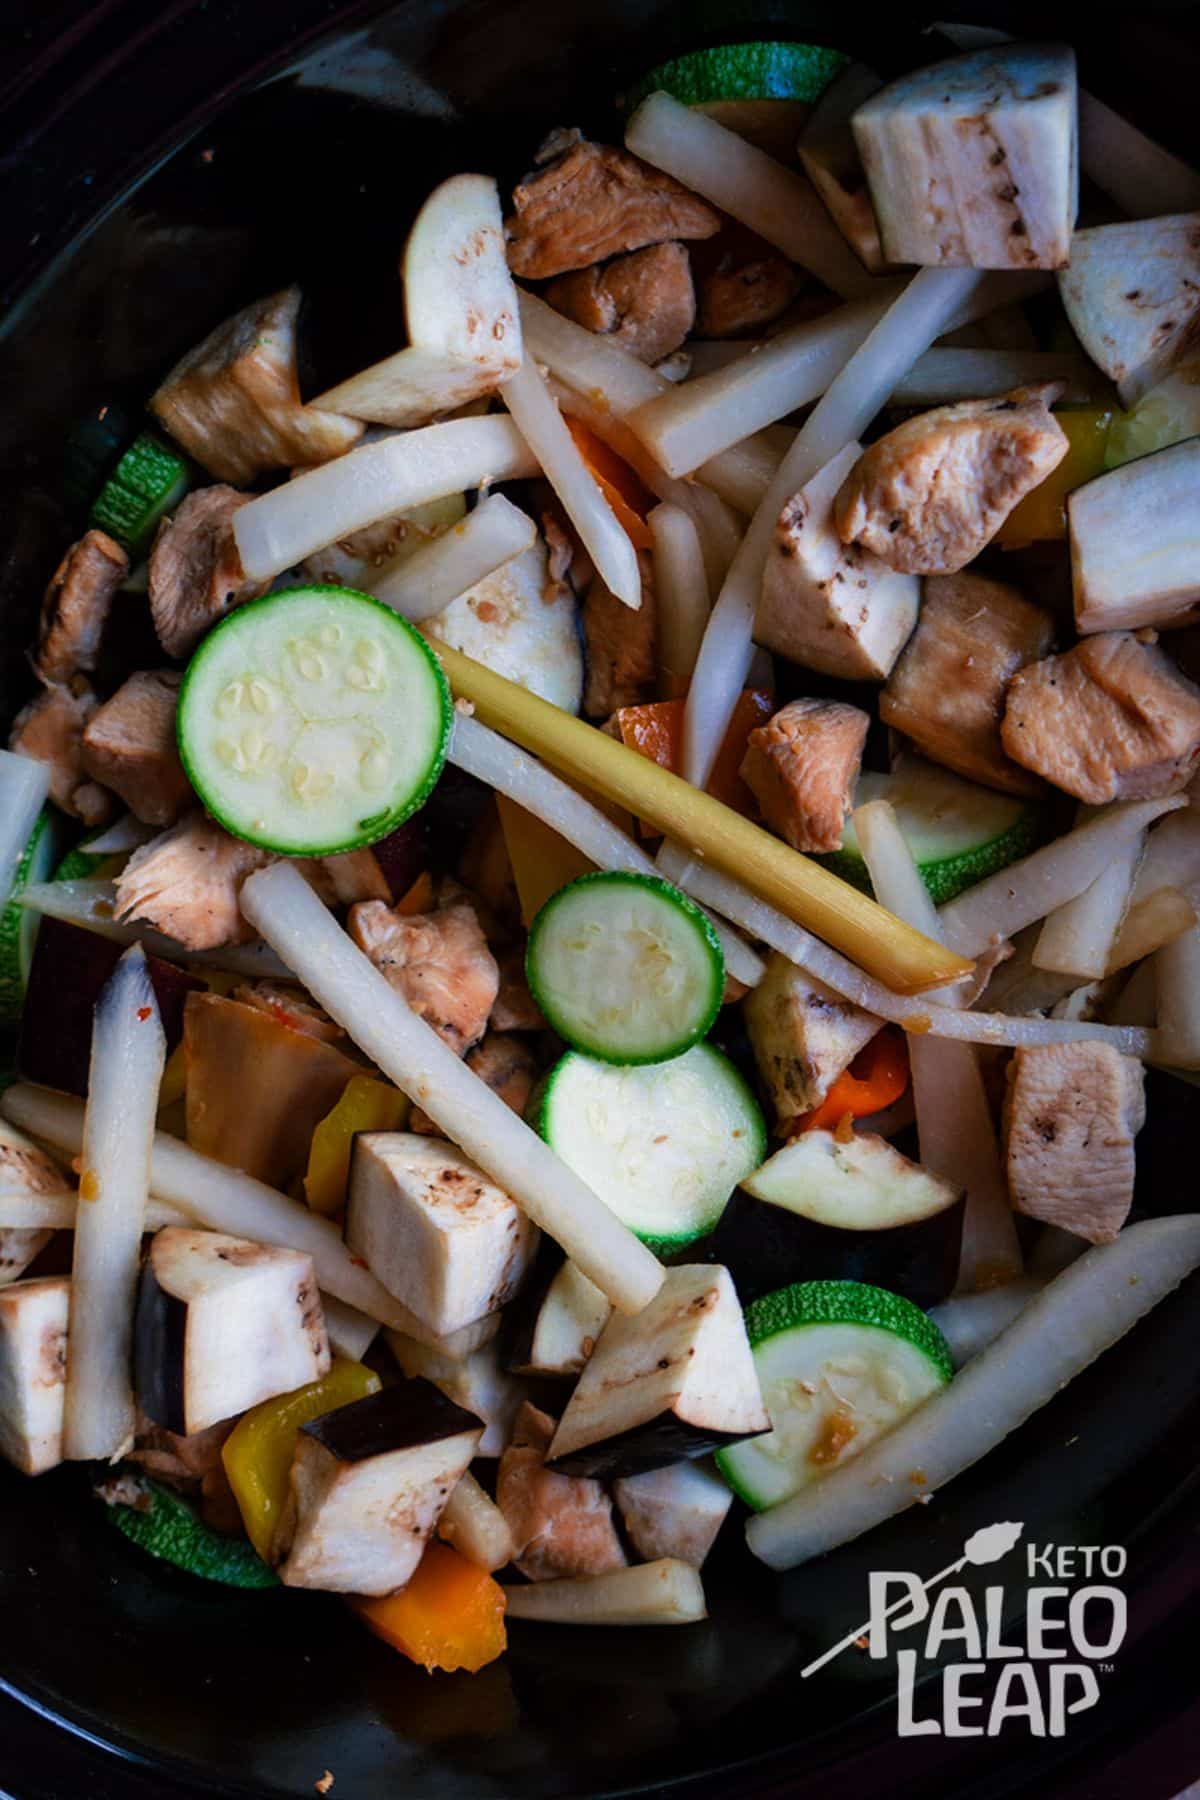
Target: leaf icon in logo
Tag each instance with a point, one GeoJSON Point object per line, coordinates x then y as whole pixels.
{"type": "Point", "coordinates": [992, 1542]}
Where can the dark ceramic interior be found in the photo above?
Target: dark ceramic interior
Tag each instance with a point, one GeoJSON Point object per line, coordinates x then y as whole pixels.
{"type": "Point", "coordinates": [161, 165]}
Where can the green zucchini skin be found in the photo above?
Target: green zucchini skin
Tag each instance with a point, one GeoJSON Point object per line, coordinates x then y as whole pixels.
{"type": "Point", "coordinates": [752, 71]}
{"type": "Point", "coordinates": [170, 1530]}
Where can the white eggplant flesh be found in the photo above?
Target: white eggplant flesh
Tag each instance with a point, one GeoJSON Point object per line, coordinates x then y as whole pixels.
{"type": "Point", "coordinates": [973, 161]}
{"type": "Point", "coordinates": [437, 573]}
{"type": "Point", "coordinates": [275, 531]}
{"type": "Point", "coordinates": [283, 908]}
{"type": "Point", "coordinates": [1132, 295]}
{"type": "Point", "coordinates": [674, 1512]}
{"type": "Point", "coordinates": [572, 1314]}
{"type": "Point", "coordinates": [1111, 520]}
{"type": "Point", "coordinates": [514, 622]}
{"type": "Point", "coordinates": [830, 159]}
{"type": "Point", "coordinates": [461, 309]}
{"type": "Point", "coordinates": [34, 1320]}
{"type": "Point", "coordinates": [1066, 1327]}
{"type": "Point", "coordinates": [476, 1382]}
{"type": "Point", "coordinates": [351, 1333]}
{"type": "Point", "coordinates": [657, 1593]}
{"type": "Point", "coordinates": [128, 1055]}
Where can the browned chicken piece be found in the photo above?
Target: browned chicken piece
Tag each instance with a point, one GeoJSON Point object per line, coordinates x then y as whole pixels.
{"type": "Point", "coordinates": [594, 202]}
{"type": "Point", "coordinates": [508, 1067]}
{"type": "Point", "coordinates": [76, 606]}
{"type": "Point", "coordinates": [129, 746]}
{"type": "Point", "coordinates": [1070, 1117]}
{"type": "Point", "coordinates": [438, 961]}
{"type": "Point", "coordinates": [644, 301]}
{"type": "Point", "coordinates": [50, 730]}
{"type": "Point", "coordinates": [947, 691]}
{"type": "Point", "coordinates": [1112, 719]}
{"type": "Point", "coordinates": [515, 1008]}
{"type": "Point", "coordinates": [356, 875]}
{"type": "Point", "coordinates": [193, 1465]}
{"type": "Point", "coordinates": [195, 570]}
{"type": "Point", "coordinates": [292, 1007]}
{"type": "Point", "coordinates": [621, 646]}
{"type": "Point", "coordinates": [561, 1524]}
{"type": "Point", "coordinates": [234, 401]}
{"type": "Point", "coordinates": [801, 767]}
{"type": "Point", "coordinates": [743, 295]}
{"type": "Point", "coordinates": [928, 496]}
{"type": "Point", "coordinates": [186, 883]}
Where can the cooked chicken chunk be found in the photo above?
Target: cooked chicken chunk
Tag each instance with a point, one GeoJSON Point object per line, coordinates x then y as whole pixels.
{"type": "Point", "coordinates": [928, 496]}
{"type": "Point", "coordinates": [356, 875]}
{"type": "Point", "coordinates": [744, 294]}
{"type": "Point", "coordinates": [508, 1067]}
{"type": "Point", "coordinates": [76, 606]}
{"type": "Point", "coordinates": [191, 1464]}
{"type": "Point", "coordinates": [644, 301]}
{"type": "Point", "coordinates": [195, 571]}
{"type": "Point", "coordinates": [801, 767]}
{"type": "Point", "coordinates": [803, 1036]}
{"type": "Point", "coordinates": [50, 730]}
{"type": "Point", "coordinates": [947, 690]}
{"type": "Point", "coordinates": [1071, 1114]}
{"type": "Point", "coordinates": [594, 202]}
{"type": "Point", "coordinates": [234, 401]}
{"type": "Point", "coordinates": [561, 1525]}
{"type": "Point", "coordinates": [438, 961]}
{"type": "Point", "coordinates": [1112, 719]}
{"type": "Point", "coordinates": [129, 746]}
{"type": "Point", "coordinates": [621, 646]}
{"type": "Point", "coordinates": [186, 884]}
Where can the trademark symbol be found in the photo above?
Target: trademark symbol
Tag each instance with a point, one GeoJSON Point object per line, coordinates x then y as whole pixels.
{"type": "Point", "coordinates": [1105, 1668]}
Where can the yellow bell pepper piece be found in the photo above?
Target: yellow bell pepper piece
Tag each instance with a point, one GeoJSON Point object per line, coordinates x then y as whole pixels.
{"type": "Point", "coordinates": [542, 861]}
{"type": "Point", "coordinates": [1042, 514]}
{"type": "Point", "coordinates": [449, 1616]}
{"type": "Point", "coordinates": [258, 1451]}
{"type": "Point", "coordinates": [367, 1104]}
{"type": "Point", "coordinates": [174, 1078]}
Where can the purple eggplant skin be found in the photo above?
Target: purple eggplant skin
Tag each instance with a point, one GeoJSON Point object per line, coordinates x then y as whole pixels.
{"type": "Point", "coordinates": [766, 1247]}
{"type": "Point", "coordinates": [402, 855]}
{"type": "Point", "coordinates": [397, 1418]}
{"type": "Point", "coordinates": [519, 1320]}
{"type": "Point", "coordinates": [70, 966]}
{"type": "Point", "coordinates": [652, 1445]}
{"type": "Point", "coordinates": [159, 1348]}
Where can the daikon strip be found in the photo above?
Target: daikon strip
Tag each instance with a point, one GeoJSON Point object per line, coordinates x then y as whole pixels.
{"type": "Point", "coordinates": [538, 419]}
{"type": "Point", "coordinates": [681, 592]}
{"type": "Point", "coordinates": [970, 1322]}
{"type": "Point", "coordinates": [778, 203]}
{"type": "Point", "coordinates": [351, 1333]}
{"type": "Point", "coordinates": [23, 1211]}
{"type": "Point", "coordinates": [473, 1523]}
{"type": "Point", "coordinates": [942, 375]}
{"type": "Point", "coordinates": [283, 908]}
{"type": "Point", "coordinates": [849, 404]}
{"type": "Point", "coordinates": [126, 833]}
{"type": "Point", "coordinates": [954, 1122]}
{"type": "Point", "coordinates": [1065, 1328]}
{"type": "Point", "coordinates": [1145, 180]}
{"type": "Point", "coordinates": [439, 572]}
{"type": "Point", "coordinates": [1040, 883]}
{"type": "Point", "coordinates": [1177, 968]}
{"type": "Point", "coordinates": [91, 903]}
{"type": "Point", "coordinates": [24, 785]}
{"type": "Point", "coordinates": [129, 1051]}
{"type": "Point", "coordinates": [220, 1198]}
{"type": "Point", "coordinates": [1079, 938]}
{"type": "Point", "coordinates": [277, 530]}
{"type": "Point", "coordinates": [1150, 923]}
{"type": "Point", "coordinates": [655, 1593]}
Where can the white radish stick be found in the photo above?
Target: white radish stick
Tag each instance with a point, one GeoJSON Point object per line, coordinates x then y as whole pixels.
{"type": "Point", "coordinates": [954, 1122]}
{"type": "Point", "coordinates": [279, 903]}
{"type": "Point", "coordinates": [439, 572]}
{"type": "Point", "coordinates": [125, 833]}
{"type": "Point", "coordinates": [23, 1211]}
{"type": "Point", "coordinates": [221, 1199]}
{"type": "Point", "coordinates": [1177, 969]}
{"type": "Point", "coordinates": [943, 375]}
{"type": "Point", "coordinates": [351, 1333]}
{"type": "Point", "coordinates": [1079, 938]}
{"type": "Point", "coordinates": [91, 903]}
{"type": "Point", "coordinates": [129, 1051]}
{"type": "Point", "coordinates": [276, 531]}
{"type": "Point", "coordinates": [849, 404]}
{"type": "Point", "coordinates": [472, 1523]}
{"type": "Point", "coordinates": [656, 1593]}
{"type": "Point", "coordinates": [778, 203]}
{"type": "Point", "coordinates": [1065, 1328]}
{"type": "Point", "coordinates": [24, 785]}
{"type": "Point", "coordinates": [536, 415]}
{"type": "Point", "coordinates": [681, 590]}
{"type": "Point", "coordinates": [509, 770]}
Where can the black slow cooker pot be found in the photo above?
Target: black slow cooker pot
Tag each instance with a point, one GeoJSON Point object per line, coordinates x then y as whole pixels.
{"type": "Point", "coordinates": [161, 164]}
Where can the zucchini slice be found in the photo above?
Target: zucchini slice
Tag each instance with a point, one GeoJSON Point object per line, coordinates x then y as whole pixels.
{"type": "Point", "coordinates": [957, 831]}
{"type": "Point", "coordinates": [18, 925]}
{"type": "Point", "coordinates": [663, 1146]}
{"type": "Point", "coordinates": [313, 721]}
{"type": "Point", "coordinates": [147, 482]}
{"type": "Point", "coordinates": [840, 1363]}
{"type": "Point", "coordinates": [169, 1529]}
{"type": "Point", "coordinates": [625, 967]}
{"type": "Point", "coordinates": [755, 71]}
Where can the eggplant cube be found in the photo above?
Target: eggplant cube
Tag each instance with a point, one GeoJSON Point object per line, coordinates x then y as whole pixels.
{"type": "Point", "coordinates": [566, 1315]}
{"type": "Point", "coordinates": [368, 1485]}
{"type": "Point", "coordinates": [221, 1325]}
{"type": "Point", "coordinates": [675, 1512]}
{"type": "Point", "coordinates": [675, 1380]}
{"type": "Point", "coordinates": [33, 1371]}
{"type": "Point", "coordinates": [1132, 295]}
{"type": "Point", "coordinates": [1155, 500]}
{"type": "Point", "coordinates": [434, 1229]}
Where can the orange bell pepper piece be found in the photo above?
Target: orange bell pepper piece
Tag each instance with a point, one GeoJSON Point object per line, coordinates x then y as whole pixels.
{"type": "Point", "coordinates": [1042, 514]}
{"type": "Point", "coordinates": [418, 898]}
{"type": "Point", "coordinates": [655, 731]}
{"type": "Point", "coordinates": [449, 1616]}
{"type": "Point", "coordinates": [367, 1104]}
{"type": "Point", "coordinates": [876, 1078]}
{"type": "Point", "coordinates": [628, 496]}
